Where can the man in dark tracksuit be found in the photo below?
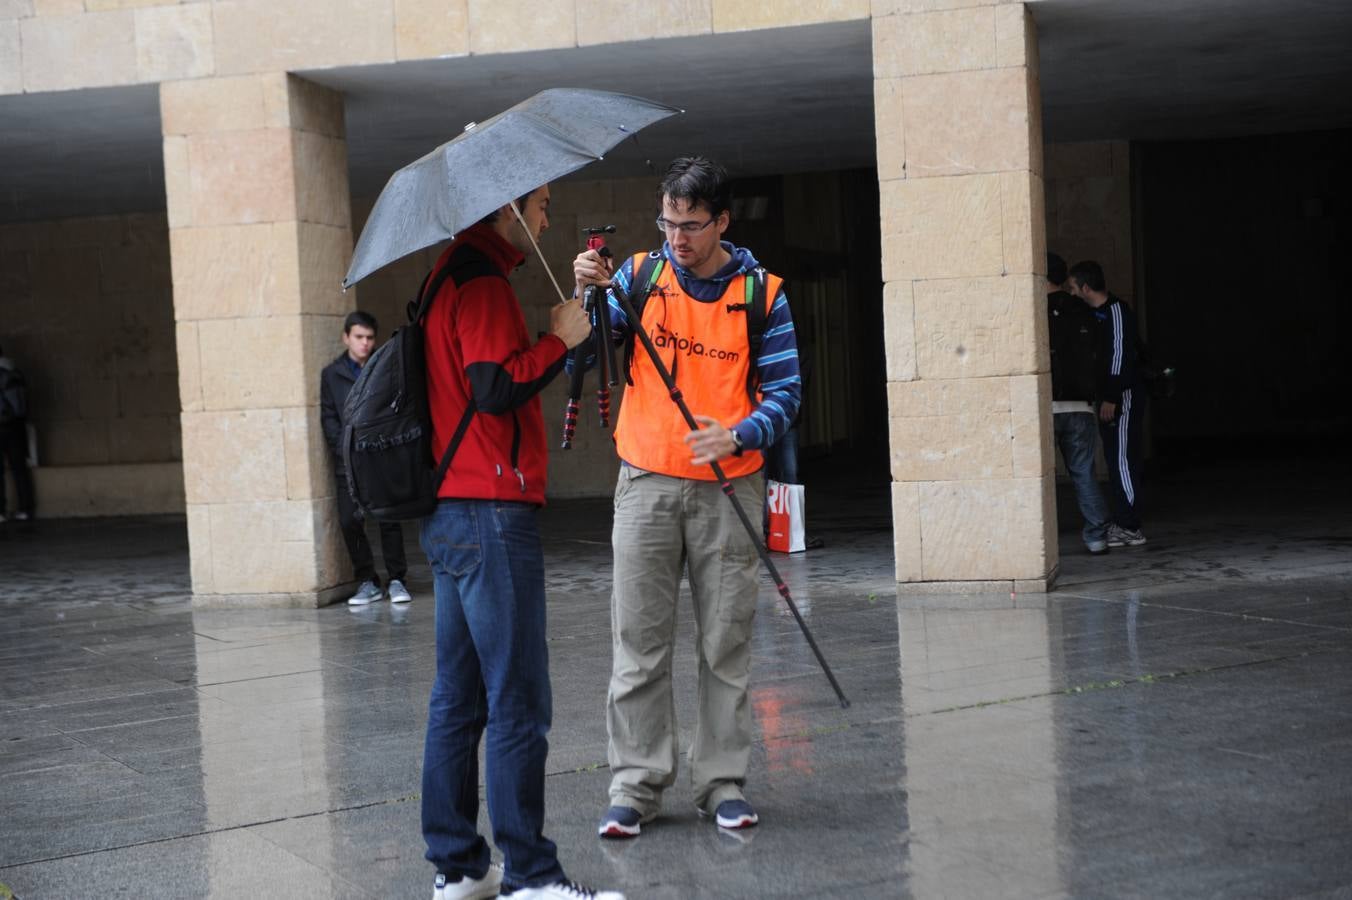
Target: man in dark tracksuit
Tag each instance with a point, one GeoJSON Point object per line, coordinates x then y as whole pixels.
{"type": "Point", "coordinates": [1120, 399]}
{"type": "Point", "coordinates": [359, 337]}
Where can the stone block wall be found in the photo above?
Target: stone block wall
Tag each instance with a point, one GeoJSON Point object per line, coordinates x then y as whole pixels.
{"type": "Point", "coordinates": [88, 316]}
{"type": "Point", "coordinates": [48, 45]}
{"type": "Point", "coordinates": [1088, 206]}
{"type": "Point", "coordinates": [958, 125]}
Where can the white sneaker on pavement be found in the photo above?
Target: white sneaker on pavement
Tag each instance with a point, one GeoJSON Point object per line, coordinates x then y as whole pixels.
{"type": "Point", "coordinates": [399, 593]}
{"type": "Point", "coordinates": [466, 888]}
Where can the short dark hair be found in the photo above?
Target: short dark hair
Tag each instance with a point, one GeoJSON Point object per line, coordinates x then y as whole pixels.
{"type": "Point", "coordinates": [520, 202]}
{"type": "Point", "coordinates": [359, 317]}
{"type": "Point", "coordinates": [696, 180]}
{"type": "Point", "coordinates": [1090, 274]}
{"type": "Point", "coordinates": [1056, 269]}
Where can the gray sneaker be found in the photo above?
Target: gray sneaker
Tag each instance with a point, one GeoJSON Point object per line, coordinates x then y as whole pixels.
{"type": "Point", "coordinates": [367, 593]}
{"type": "Point", "coordinates": [1125, 537]}
{"type": "Point", "coordinates": [399, 593]}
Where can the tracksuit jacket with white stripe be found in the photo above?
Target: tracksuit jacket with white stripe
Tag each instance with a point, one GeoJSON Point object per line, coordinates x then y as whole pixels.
{"type": "Point", "coordinates": [1118, 342]}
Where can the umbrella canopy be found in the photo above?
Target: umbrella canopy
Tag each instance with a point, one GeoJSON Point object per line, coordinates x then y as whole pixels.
{"type": "Point", "coordinates": [491, 164]}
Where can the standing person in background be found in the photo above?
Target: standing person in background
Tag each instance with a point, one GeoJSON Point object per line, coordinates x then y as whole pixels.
{"type": "Point", "coordinates": [359, 339]}
{"type": "Point", "coordinates": [1119, 399]}
{"type": "Point", "coordinates": [14, 439]}
{"type": "Point", "coordinates": [1074, 333]}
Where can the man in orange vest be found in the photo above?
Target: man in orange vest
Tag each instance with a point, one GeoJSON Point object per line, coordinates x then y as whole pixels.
{"type": "Point", "coordinates": [670, 512]}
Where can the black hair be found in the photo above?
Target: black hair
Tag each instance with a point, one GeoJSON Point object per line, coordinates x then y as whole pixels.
{"type": "Point", "coordinates": [358, 317]}
{"type": "Point", "coordinates": [520, 203]}
{"type": "Point", "coordinates": [696, 180]}
{"type": "Point", "coordinates": [1089, 274]}
{"type": "Point", "coordinates": [1056, 269]}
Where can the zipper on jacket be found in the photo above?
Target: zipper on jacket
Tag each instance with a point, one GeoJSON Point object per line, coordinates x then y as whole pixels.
{"type": "Point", "coordinates": [516, 449]}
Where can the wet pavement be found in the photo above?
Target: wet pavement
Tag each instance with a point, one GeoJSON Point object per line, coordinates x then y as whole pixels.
{"type": "Point", "coordinates": [1173, 721]}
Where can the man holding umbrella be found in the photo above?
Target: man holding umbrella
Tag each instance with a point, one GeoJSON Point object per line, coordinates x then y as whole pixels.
{"type": "Point", "coordinates": [670, 511]}
{"type": "Point", "coordinates": [483, 378]}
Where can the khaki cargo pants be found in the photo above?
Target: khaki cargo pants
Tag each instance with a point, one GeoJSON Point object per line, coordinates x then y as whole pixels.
{"type": "Point", "coordinates": [662, 525]}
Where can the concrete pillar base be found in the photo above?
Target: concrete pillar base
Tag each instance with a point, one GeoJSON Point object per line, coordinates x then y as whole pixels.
{"type": "Point", "coordinates": [297, 600]}
{"type": "Point", "coordinates": [1000, 594]}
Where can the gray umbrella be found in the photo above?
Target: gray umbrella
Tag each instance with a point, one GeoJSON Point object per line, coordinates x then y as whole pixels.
{"type": "Point", "coordinates": [491, 164]}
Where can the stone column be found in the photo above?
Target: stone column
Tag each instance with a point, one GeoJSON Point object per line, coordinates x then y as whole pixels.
{"type": "Point", "coordinates": [259, 234]}
{"type": "Point", "coordinates": [963, 258]}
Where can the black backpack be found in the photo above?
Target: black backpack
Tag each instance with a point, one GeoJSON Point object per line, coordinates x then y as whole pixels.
{"type": "Point", "coordinates": [645, 279]}
{"type": "Point", "coordinates": [387, 422]}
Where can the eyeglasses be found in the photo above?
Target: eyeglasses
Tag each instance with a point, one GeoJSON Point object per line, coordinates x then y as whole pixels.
{"type": "Point", "coordinates": [684, 227]}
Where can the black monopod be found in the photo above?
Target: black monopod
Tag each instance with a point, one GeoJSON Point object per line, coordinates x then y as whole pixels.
{"type": "Point", "coordinates": [623, 297]}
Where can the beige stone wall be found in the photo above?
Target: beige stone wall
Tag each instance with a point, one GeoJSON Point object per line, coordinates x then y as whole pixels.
{"type": "Point", "coordinates": [50, 45]}
{"type": "Point", "coordinates": [256, 185]}
{"type": "Point", "coordinates": [88, 316]}
{"type": "Point", "coordinates": [960, 172]}
{"type": "Point", "coordinates": [1089, 208]}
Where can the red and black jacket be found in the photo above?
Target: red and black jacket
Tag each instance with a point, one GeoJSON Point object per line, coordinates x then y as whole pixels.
{"type": "Point", "coordinates": [478, 350]}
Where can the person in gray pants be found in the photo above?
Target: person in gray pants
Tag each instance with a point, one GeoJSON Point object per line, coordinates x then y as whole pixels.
{"type": "Point", "coordinates": [670, 513]}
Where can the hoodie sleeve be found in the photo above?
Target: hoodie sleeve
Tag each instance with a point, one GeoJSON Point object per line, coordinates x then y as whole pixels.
{"type": "Point", "coordinates": [781, 383]}
{"type": "Point", "coordinates": [502, 375]}
{"type": "Point", "coordinates": [619, 322]}
{"type": "Point", "coordinates": [329, 417]}
{"type": "Point", "coordinates": [1118, 352]}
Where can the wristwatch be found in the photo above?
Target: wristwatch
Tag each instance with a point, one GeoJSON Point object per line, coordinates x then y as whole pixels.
{"type": "Point", "coordinates": [737, 440]}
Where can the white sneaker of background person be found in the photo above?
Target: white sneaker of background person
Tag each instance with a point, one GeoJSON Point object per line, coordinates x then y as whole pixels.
{"type": "Point", "coordinates": [369, 592]}
{"type": "Point", "coordinates": [398, 593]}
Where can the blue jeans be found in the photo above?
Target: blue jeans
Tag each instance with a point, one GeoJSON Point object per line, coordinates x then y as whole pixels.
{"type": "Point", "coordinates": [1077, 438]}
{"type": "Point", "coordinates": [493, 675]}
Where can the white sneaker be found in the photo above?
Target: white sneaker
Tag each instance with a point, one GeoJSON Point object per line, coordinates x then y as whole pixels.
{"type": "Point", "coordinates": [21, 517]}
{"type": "Point", "coordinates": [563, 890]}
{"type": "Point", "coordinates": [399, 593]}
{"type": "Point", "coordinates": [367, 593]}
{"type": "Point", "coordinates": [467, 888]}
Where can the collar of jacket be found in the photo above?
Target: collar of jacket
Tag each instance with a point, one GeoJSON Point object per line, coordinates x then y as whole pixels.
{"type": "Point", "coordinates": [493, 245]}
{"type": "Point", "coordinates": [341, 365]}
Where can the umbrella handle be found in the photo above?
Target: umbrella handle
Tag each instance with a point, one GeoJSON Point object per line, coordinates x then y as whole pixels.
{"type": "Point", "coordinates": [543, 262]}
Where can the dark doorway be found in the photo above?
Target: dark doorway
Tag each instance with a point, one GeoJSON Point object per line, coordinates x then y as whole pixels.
{"type": "Point", "coordinates": [1240, 242]}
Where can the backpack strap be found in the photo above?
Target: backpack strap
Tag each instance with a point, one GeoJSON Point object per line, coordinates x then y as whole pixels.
{"type": "Point", "coordinates": [645, 279]}
{"type": "Point", "coordinates": [757, 315]}
{"type": "Point", "coordinates": [465, 264]}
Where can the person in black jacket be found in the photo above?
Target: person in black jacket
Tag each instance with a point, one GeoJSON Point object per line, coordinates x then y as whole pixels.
{"type": "Point", "coordinates": [1073, 330]}
{"type": "Point", "coordinates": [1119, 399]}
{"type": "Point", "coordinates": [359, 337]}
{"type": "Point", "coordinates": [14, 438]}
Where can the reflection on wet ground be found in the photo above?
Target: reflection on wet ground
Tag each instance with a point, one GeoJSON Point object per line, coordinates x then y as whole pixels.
{"type": "Point", "coordinates": [1174, 721]}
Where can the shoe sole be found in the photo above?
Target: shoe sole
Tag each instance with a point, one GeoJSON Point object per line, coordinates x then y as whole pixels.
{"type": "Point", "coordinates": [401, 599]}
{"type": "Point", "coordinates": [739, 822]}
{"type": "Point", "coordinates": [1140, 543]}
{"type": "Point", "coordinates": [618, 831]}
{"type": "Point", "coordinates": [353, 601]}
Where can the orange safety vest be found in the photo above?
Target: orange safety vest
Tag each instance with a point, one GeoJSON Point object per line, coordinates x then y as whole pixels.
{"type": "Point", "coordinates": [705, 346]}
